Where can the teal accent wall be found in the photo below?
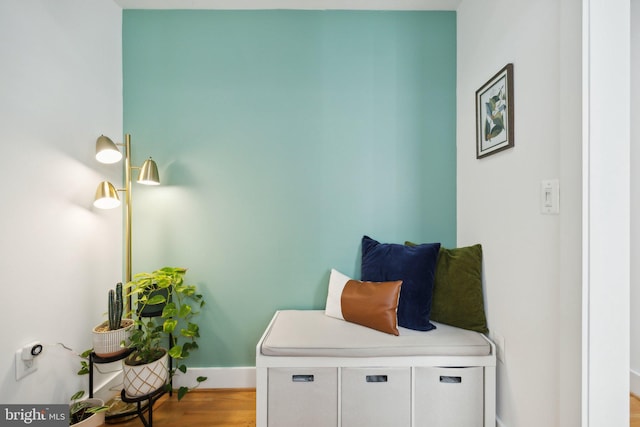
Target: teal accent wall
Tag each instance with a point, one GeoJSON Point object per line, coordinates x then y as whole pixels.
{"type": "Point", "coordinates": [282, 138]}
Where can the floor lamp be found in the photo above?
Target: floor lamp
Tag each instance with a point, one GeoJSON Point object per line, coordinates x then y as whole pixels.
{"type": "Point", "coordinates": [107, 195]}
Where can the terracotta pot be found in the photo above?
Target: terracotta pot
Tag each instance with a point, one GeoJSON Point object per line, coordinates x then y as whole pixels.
{"type": "Point", "coordinates": [140, 380]}
{"type": "Point", "coordinates": [107, 343]}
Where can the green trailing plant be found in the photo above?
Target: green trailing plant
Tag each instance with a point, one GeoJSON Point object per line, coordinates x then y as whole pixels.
{"type": "Point", "coordinates": [80, 410]}
{"type": "Point", "coordinates": [84, 362]}
{"type": "Point", "coordinates": [115, 307]}
{"type": "Point", "coordinates": [181, 303]}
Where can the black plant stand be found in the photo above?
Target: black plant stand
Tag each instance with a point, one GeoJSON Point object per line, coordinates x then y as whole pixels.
{"type": "Point", "coordinates": [151, 397]}
{"type": "Point", "coordinates": [94, 358]}
{"type": "Point", "coordinates": [139, 400]}
{"type": "Point", "coordinates": [150, 311]}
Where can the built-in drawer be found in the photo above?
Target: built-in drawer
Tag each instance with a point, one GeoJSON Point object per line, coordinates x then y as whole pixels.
{"type": "Point", "coordinates": [302, 397]}
{"type": "Point", "coordinates": [446, 397]}
{"type": "Point", "coordinates": [376, 397]}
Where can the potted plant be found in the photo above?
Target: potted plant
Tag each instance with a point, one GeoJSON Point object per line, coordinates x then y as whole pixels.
{"type": "Point", "coordinates": [111, 337]}
{"type": "Point", "coordinates": [145, 369]}
{"type": "Point", "coordinates": [87, 412]}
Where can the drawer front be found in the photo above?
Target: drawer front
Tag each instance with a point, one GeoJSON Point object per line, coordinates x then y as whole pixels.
{"type": "Point", "coordinates": [446, 397]}
{"type": "Point", "coordinates": [302, 397]}
{"type": "Point", "coordinates": [376, 397]}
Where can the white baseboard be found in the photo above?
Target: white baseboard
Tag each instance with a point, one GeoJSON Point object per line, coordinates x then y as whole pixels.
{"type": "Point", "coordinates": [235, 377]}
{"type": "Point", "coordinates": [499, 423]}
{"type": "Point", "coordinates": [634, 382]}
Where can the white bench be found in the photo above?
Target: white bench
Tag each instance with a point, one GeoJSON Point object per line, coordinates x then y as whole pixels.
{"type": "Point", "coordinates": [317, 371]}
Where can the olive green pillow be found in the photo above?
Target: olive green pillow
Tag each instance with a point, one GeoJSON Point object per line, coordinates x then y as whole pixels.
{"type": "Point", "coordinates": [457, 289]}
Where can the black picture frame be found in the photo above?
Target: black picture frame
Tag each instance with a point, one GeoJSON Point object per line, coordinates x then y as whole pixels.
{"type": "Point", "coordinates": [494, 114]}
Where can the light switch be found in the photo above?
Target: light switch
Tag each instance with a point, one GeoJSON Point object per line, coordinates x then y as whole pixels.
{"type": "Point", "coordinates": [550, 197]}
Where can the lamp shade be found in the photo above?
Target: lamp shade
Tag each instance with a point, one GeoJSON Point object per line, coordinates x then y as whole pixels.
{"type": "Point", "coordinates": [107, 151]}
{"type": "Point", "coordinates": [149, 173]}
{"type": "Point", "coordinates": [106, 196]}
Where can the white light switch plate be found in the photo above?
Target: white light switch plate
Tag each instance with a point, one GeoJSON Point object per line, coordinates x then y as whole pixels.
{"type": "Point", "coordinates": [550, 197]}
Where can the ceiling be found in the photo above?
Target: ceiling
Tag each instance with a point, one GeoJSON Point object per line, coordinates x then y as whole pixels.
{"type": "Point", "coordinates": [292, 4]}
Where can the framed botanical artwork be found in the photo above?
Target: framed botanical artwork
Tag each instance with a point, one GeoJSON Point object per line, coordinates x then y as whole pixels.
{"type": "Point", "coordinates": [494, 114]}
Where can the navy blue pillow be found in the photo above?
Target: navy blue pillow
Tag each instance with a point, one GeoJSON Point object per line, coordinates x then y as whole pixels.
{"type": "Point", "coordinates": [415, 266]}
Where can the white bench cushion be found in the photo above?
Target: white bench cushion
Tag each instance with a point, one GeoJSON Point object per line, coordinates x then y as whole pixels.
{"type": "Point", "coordinates": [312, 333]}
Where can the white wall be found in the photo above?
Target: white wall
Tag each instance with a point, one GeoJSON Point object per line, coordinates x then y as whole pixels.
{"type": "Point", "coordinates": [60, 87]}
{"type": "Point", "coordinates": [606, 212]}
{"type": "Point", "coordinates": [532, 262]}
{"type": "Point", "coordinates": [635, 196]}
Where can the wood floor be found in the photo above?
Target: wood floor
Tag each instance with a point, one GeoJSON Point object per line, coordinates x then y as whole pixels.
{"type": "Point", "coordinates": [635, 411]}
{"type": "Point", "coordinates": [203, 408]}
{"type": "Point", "coordinates": [235, 407]}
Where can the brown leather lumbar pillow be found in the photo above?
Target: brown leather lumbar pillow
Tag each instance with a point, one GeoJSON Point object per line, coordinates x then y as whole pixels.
{"type": "Point", "coordinates": [372, 304]}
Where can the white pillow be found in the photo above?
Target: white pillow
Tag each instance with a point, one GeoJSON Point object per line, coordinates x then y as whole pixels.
{"type": "Point", "coordinates": [370, 304]}
{"type": "Point", "coordinates": [337, 281]}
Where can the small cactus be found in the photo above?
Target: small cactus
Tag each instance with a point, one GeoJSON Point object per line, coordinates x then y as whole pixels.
{"type": "Point", "coordinates": [115, 307]}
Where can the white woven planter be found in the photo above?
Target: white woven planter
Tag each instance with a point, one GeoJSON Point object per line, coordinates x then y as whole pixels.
{"type": "Point", "coordinates": [144, 379]}
{"type": "Point", "coordinates": [95, 420]}
{"type": "Point", "coordinates": [107, 343]}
